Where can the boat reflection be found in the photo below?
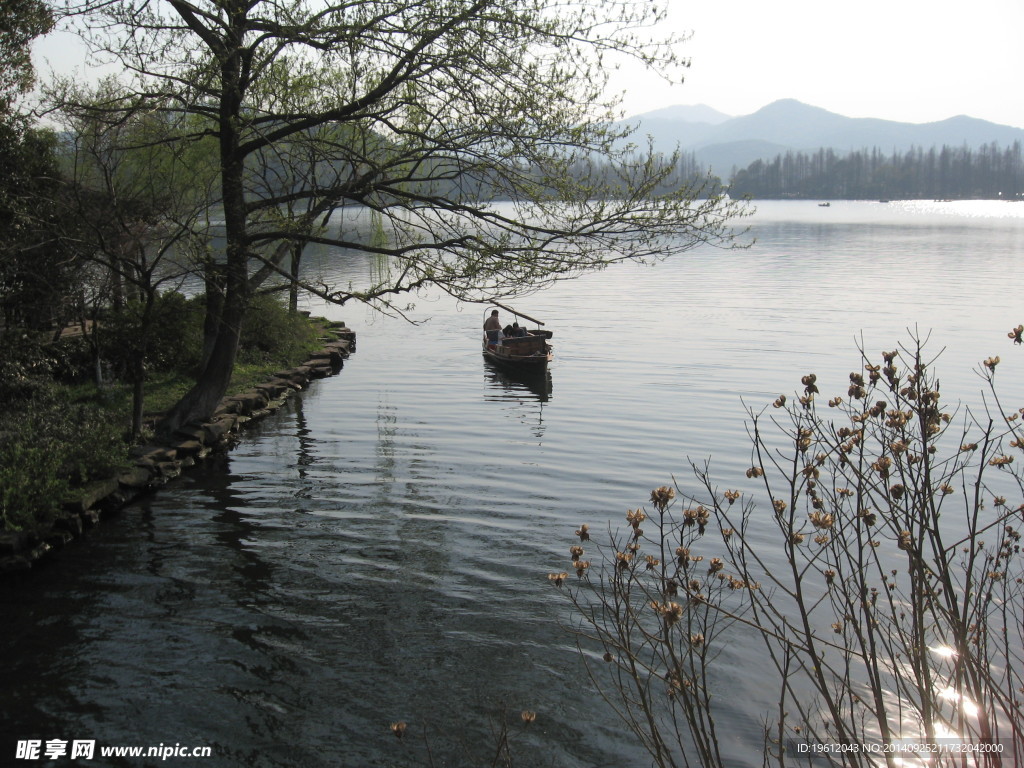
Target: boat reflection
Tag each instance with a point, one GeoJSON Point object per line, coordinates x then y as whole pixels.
{"type": "Point", "coordinates": [503, 385]}
{"type": "Point", "coordinates": [522, 397]}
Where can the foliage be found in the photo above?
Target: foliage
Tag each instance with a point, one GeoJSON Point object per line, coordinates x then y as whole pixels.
{"type": "Point", "coordinates": [20, 22]}
{"type": "Point", "coordinates": [881, 575]}
{"type": "Point", "coordinates": [50, 444]}
{"type": "Point", "coordinates": [163, 390]}
{"type": "Point", "coordinates": [31, 276]}
{"type": "Point", "coordinates": [166, 334]}
{"type": "Point", "coordinates": [36, 275]}
{"type": "Point", "coordinates": [950, 172]}
{"type": "Point", "coordinates": [409, 110]}
{"type": "Point", "coordinates": [54, 437]}
{"type": "Point", "coordinates": [142, 202]}
{"type": "Point", "coordinates": [31, 487]}
{"type": "Point", "coordinates": [273, 335]}
{"type": "Point", "coordinates": [27, 359]}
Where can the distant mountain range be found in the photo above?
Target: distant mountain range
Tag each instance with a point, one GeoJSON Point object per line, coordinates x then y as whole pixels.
{"type": "Point", "coordinates": [723, 142]}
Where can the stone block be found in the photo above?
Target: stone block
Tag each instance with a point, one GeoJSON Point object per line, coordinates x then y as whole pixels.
{"type": "Point", "coordinates": [137, 477]}
{"type": "Point", "coordinates": [192, 431]}
{"type": "Point", "coordinates": [156, 456]}
{"type": "Point", "coordinates": [321, 371]}
{"type": "Point", "coordinates": [169, 469]}
{"type": "Point", "coordinates": [272, 390]}
{"type": "Point", "coordinates": [301, 373]}
{"type": "Point", "coordinates": [189, 448]}
{"type": "Point", "coordinates": [226, 406]}
{"type": "Point", "coordinates": [218, 429]}
{"type": "Point", "coordinates": [122, 496]}
{"type": "Point", "coordinates": [89, 495]}
{"type": "Point", "coordinates": [251, 400]}
{"type": "Point", "coordinates": [338, 347]}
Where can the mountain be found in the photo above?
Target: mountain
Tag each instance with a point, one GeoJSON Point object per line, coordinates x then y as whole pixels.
{"type": "Point", "coordinates": [791, 125]}
{"type": "Point", "coordinates": [722, 158]}
{"type": "Point", "coordinates": [680, 125]}
{"type": "Point", "coordinates": [698, 113]}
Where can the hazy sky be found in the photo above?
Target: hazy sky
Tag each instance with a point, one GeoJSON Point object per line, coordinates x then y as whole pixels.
{"type": "Point", "coordinates": [910, 60]}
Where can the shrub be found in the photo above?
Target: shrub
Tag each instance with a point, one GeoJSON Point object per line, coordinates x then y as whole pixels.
{"type": "Point", "coordinates": [897, 612]}
{"type": "Point", "coordinates": [273, 335]}
{"type": "Point", "coordinates": [49, 446]}
{"type": "Point", "coordinates": [27, 359]}
{"type": "Point", "coordinates": [31, 487]}
{"type": "Point", "coordinates": [51, 440]}
{"type": "Point", "coordinates": [74, 360]}
{"type": "Point", "coordinates": [172, 334]}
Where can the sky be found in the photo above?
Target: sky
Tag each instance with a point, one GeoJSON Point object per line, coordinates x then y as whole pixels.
{"type": "Point", "coordinates": [909, 60]}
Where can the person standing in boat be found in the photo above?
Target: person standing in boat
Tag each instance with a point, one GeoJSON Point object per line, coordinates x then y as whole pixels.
{"type": "Point", "coordinates": [492, 326]}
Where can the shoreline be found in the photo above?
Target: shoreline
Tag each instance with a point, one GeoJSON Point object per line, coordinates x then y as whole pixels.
{"type": "Point", "coordinates": [155, 464]}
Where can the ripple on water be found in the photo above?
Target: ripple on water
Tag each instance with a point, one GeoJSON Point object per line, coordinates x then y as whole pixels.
{"type": "Point", "coordinates": [379, 549]}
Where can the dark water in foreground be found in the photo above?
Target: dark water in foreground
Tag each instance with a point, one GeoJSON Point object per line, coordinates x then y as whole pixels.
{"type": "Point", "coordinates": [378, 550]}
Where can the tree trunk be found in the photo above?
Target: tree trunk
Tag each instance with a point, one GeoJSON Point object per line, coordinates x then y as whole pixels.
{"type": "Point", "coordinates": [214, 279]}
{"type": "Point", "coordinates": [91, 336]}
{"type": "Point", "coordinates": [293, 289]}
{"type": "Point", "coordinates": [117, 289]}
{"type": "Point", "coordinates": [201, 401]}
{"type": "Point", "coordinates": [138, 396]}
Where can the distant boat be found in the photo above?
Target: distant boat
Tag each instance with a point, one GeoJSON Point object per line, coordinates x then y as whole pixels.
{"type": "Point", "coordinates": [824, 205]}
{"type": "Point", "coordinates": [529, 353]}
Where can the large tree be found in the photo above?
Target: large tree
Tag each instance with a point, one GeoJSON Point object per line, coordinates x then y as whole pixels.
{"type": "Point", "coordinates": [32, 273]}
{"type": "Point", "coordinates": [21, 21]}
{"type": "Point", "coordinates": [423, 112]}
{"type": "Point", "coordinates": [136, 218]}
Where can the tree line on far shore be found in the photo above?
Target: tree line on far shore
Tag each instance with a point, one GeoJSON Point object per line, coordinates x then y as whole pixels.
{"type": "Point", "coordinates": [988, 172]}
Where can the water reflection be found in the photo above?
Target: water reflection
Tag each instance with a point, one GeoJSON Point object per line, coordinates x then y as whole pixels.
{"type": "Point", "coordinates": [377, 550]}
{"type": "Point", "coordinates": [502, 384]}
{"type": "Point", "coordinates": [523, 395]}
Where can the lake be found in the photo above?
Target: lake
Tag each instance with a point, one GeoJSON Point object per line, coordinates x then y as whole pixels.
{"type": "Point", "coordinates": [378, 550]}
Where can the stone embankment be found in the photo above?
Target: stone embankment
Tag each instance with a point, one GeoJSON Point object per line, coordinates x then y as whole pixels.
{"type": "Point", "coordinates": [157, 463]}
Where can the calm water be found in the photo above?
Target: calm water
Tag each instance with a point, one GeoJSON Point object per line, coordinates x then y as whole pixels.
{"type": "Point", "coordinates": [378, 551]}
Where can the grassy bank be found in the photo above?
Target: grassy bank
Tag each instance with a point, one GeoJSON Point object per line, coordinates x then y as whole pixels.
{"type": "Point", "coordinates": [60, 429]}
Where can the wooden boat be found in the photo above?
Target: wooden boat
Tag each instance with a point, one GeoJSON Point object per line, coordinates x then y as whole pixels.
{"type": "Point", "coordinates": [527, 354]}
